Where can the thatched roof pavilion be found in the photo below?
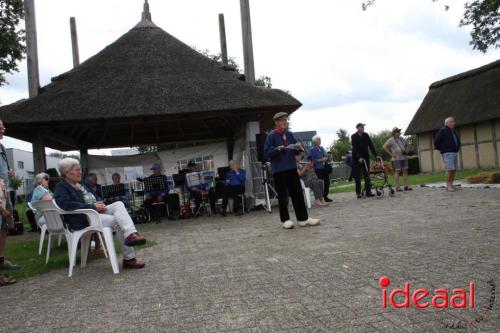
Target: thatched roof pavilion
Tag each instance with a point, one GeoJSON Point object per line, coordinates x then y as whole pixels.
{"type": "Point", "coordinates": [145, 88]}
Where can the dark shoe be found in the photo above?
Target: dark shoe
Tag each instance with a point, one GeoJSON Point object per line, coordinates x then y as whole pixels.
{"type": "Point", "coordinates": [7, 266]}
{"type": "Point", "coordinates": [223, 213]}
{"type": "Point", "coordinates": [407, 188]}
{"type": "Point", "coordinates": [6, 280]}
{"type": "Point", "coordinates": [328, 199]}
{"type": "Point", "coordinates": [370, 194]}
{"type": "Point", "coordinates": [134, 240]}
{"type": "Point", "coordinates": [133, 264]}
{"type": "Point", "coordinates": [359, 196]}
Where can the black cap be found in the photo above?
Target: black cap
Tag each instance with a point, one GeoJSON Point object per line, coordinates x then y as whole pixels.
{"type": "Point", "coordinates": [360, 125]}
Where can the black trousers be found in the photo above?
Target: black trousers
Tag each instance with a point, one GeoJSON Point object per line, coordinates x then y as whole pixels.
{"type": "Point", "coordinates": [323, 174]}
{"type": "Point", "coordinates": [358, 171]}
{"type": "Point", "coordinates": [287, 183]}
{"type": "Point", "coordinates": [32, 220]}
{"type": "Point", "coordinates": [232, 192]}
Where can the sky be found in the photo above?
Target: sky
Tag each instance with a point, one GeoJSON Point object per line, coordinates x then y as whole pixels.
{"type": "Point", "coordinates": [345, 65]}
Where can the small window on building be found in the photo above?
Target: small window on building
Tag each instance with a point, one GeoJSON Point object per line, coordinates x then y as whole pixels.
{"type": "Point", "coordinates": [205, 163]}
{"type": "Point", "coordinates": [20, 165]}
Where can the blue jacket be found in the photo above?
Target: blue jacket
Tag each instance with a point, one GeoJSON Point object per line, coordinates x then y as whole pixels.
{"type": "Point", "coordinates": [446, 140]}
{"type": "Point", "coordinates": [69, 198]}
{"type": "Point", "coordinates": [315, 153]}
{"type": "Point", "coordinates": [283, 160]}
{"type": "Point", "coordinates": [236, 179]}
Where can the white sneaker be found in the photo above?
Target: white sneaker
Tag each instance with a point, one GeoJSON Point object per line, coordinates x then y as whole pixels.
{"type": "Point", "coordinates": [288, 224]}
{"type": "Point", "coordinates": [309, 221]}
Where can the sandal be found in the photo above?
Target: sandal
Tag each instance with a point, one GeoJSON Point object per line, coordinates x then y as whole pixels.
{"type": "Point", "coordinates": [6, 280]}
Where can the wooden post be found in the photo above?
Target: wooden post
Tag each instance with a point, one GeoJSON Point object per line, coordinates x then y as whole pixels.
{"type": "Point", "coordinates": [84, 161]}
{"type": "Point", "coordinates": [476, 148]}
{"type": "Point", "coordinates": [74, 42]}
{"type": "Point", "coordinates": [31, 48]}
{"type": "Point", "coordinates": [223, 43]}
{"type": "Point", "coordinates": [246, 29]}
{"type": "Point", "coordinates": [39, 160]}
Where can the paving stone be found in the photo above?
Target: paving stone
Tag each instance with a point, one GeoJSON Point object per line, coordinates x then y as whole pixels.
{"type": "Point", "coordinates": [247, 274]}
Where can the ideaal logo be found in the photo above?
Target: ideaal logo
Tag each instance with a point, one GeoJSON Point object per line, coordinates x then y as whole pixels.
{"type": "Point", "coordinates": [422, 298]}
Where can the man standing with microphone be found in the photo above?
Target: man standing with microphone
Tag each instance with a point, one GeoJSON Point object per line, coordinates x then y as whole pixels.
{"type": "Point", "coordinates": [281, 148]}
{"type": "Point", "coordinates": [361, 142]}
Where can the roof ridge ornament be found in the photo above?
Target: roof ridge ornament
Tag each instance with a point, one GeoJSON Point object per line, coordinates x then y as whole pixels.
{"type": "Point", "coordinates": [146, 14]}
{"type": "Point", "coordinates": [146, 21]}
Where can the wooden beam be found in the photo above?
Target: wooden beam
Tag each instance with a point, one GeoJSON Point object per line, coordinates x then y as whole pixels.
{"type": "Point", "coordinates": [246, 29]}
{"type": "Point", "coordinates": [105, 134]}
{"type": "Point", "coordinates": [31, 48]}
{"type": "Point", "coordinates": [223, 43]}
{"type": "Point", "coordinates": [476, 148]}
{"type": "Point", "coordinates": [157, 134]}
{"type": "Point", "coordinates": [55, 135]}
{"type": "Point", "coordinates": [132, 133]}
{"type": "Point", "coordinates": [39, 160]}
{"type": "Point", "coordinates": [74, 42]}
{"type": "Point", "coordinates": [179, 126]}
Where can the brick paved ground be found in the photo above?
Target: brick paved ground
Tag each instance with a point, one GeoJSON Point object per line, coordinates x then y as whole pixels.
{"type": "Point", "coordinates": [248, 275]}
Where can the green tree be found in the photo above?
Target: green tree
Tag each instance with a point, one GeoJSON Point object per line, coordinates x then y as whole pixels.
{"type": "Point", "coordinates": [341, 146]}
{"type": "Point", "coordinates": [378, 140]}
{"type": "Point", "coordinates": [12, 38]}
{"type": "Point", "coordinates": [482, 15]}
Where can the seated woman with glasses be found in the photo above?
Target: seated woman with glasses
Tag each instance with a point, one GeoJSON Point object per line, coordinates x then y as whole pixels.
{"type": "Point", "coordinates": [70, 194]}
{"type": "Point", "coordinates": [41, 192]}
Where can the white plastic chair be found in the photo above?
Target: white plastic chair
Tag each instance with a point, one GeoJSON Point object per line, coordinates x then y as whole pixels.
{"type": "Point", "coordinates": [43, 231]}
{"type": "Point", "coordinates": [307, 193]}
{"type": "Point", "coordinates": [53, 220]}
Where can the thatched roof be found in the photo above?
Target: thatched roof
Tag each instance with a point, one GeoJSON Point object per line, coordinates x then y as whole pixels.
{"type": "Point", "coordinates": [147, 87]}
{"type": "Point", "coordinates": [470, 97]}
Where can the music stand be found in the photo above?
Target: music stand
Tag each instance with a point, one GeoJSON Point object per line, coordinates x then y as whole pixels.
{"type": "Point", "coordinates": [156, 183]}
{"type": "Point", "coordinates": [170, 183]}
{"type": "Point", "coordinates": [179, 179]}
{"type": "Point", "coordinates": [209, 179]}
{"type": "Point", "coordinates": [222, 172]}
{"type": "Point", "coordinates": [113, 191]}
{"type": "Point", "coordinates": [195, 181]}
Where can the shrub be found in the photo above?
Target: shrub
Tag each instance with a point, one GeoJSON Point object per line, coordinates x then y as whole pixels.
{"type": "Point", "coordinates": [484, 178]}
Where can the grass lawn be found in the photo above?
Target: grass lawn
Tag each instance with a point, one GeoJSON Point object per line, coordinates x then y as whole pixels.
{"type": "Point", "coordinates": [423, 178]}
{"type": "Point", "coordinates": [25, 254]}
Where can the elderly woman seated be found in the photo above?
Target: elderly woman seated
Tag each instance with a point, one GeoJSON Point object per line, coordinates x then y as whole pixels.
{"type": "Point", "coordinates": [308, 175]}
{"type": "Point", "coordinates": [41, 192]}
{"type": "Point", "coordinates": [70, 194]}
